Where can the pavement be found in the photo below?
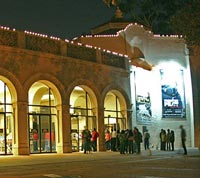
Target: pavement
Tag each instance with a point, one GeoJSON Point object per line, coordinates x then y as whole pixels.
{"type": "Point", "coordinates": [191, 152]}
{"type": "Point", "coordinates": [10, 160]}
{"type": "Point", "coordinates": [149, 164]}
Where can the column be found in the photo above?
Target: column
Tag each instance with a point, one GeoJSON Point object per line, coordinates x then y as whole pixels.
{"type": "Point", "coordinates": [101, 127]}
{"type": "Point", "coordinates": [64, 130]}
{"type": "Point", "coordinates": [21, 140]}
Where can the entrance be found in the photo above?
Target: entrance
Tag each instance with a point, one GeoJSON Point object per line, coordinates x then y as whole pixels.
{"type": "Point", "coordinates": [114, 112]}
{"type": "Point", "coordinates": [43, 120]}
{"type": "Point", "coordinates": [78, 122]}
{"type": "Point", "coordinates": [83, 114]}
{"type": "Point", "coordinates": [41, 133]}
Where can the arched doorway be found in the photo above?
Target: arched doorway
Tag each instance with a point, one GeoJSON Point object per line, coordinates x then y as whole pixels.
{"type": "Point", "coordinates": [6, 120]}
{"type": "Point", "coordinates": [82, 112]}
{"type": "Point", "coordinates": [115, 118]}
{"type": "Point", "coordinates": [42, 119]}
{"type": "Point", "coordinates": [115, 111]}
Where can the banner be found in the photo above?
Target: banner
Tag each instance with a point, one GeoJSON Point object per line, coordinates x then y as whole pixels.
{"type": "Point", "coordinates": [173, 94]}
{"type": "Point", "coordinates": [143, 99]}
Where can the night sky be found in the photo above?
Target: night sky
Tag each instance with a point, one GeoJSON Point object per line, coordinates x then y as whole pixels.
{"type": "Point", "coordinates": [65, 19]}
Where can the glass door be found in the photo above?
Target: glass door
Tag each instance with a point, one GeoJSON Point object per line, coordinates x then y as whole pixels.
{"type": "Point", "coordinates": [42, 133]}
{"type": "Point", "coordinates": [75, 134]}
{"type": "Point", "coordinates": [78, 123]}
{"type": "Point", "coordinates": [6, 138]}
{"type": "Point", "coordinates": [2, 135]}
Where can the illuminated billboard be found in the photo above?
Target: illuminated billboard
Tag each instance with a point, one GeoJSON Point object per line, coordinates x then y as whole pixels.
{"type": "Point", "coordinates": [173, 94]}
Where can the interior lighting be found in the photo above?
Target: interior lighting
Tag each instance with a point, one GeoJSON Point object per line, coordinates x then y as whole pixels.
{"type": "Point", "coordinates": [78, 88]}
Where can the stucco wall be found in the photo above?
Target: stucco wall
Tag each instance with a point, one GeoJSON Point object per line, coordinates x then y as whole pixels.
{"type": "Point", "coordinates": [162, 52]}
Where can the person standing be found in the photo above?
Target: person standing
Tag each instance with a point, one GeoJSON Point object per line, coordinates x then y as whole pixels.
{"type": "Point", "coordinates": [163, 139]}
{"type": "Point", "coordinates": [108, 140]}
{"type": "Point", "coordinates": [138, 139]}
{"type": "Point", "coordinates": [47, 140]}
{"type": "Point", "coordinates": [35, 140]}
{"type": "Point", "coordinates": [172, 139]}
{"type": "Point", "coordinates": [95, 135]}
{"type": "Point", "coordinates": [130, 141]}
{"type": "Point", "coordinates": [113, 139]}
{"type": "Point", "coordinates": [183, 139]}
{"type": "Point", "coordinates": [86, 136]}
{"type": "Point", "coordinates": [146, 140]}
{"type": "Point", "coordinates": [168, 135]}
{"type": "Point", "coordinates": [117, 141]}
{"type": "Point", "coordinates": [122, 140]}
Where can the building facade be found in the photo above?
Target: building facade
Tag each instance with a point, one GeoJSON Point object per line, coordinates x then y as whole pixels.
{"type": "Point", "coordinates": [161, 87]}
{"type": "Point", "coordinates": [50, 89]}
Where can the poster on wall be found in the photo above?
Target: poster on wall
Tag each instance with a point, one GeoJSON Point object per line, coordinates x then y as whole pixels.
{"type": "Point", "coordinates": [143, 99]}
{"type": "Point", "coordinates": [173, 94]}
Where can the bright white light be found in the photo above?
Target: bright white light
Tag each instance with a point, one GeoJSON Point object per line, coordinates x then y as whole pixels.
{"type": "Point", "coordinates": [78, 88]}
{"type": "Point", "coordinates": [170, 66]}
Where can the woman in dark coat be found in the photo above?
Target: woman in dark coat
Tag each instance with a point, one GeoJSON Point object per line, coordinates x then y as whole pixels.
{"type": "Point", "coordinates": [172, 139]}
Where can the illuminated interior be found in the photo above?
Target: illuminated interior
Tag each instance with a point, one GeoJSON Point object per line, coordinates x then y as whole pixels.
{"type": "Point", "coordinates": [42, 119]}
{"type": "Point", "coordinates": [6, 120]}
{"type": "Point", "coordinates": [114, 115]}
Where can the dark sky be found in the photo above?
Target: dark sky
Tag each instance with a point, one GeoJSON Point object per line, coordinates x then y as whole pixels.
{"type": "Point", "coordinates": [60, 18]}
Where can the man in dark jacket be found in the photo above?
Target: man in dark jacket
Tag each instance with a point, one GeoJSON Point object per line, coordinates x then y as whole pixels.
{"type": "Point", "coordinates": [138, 139]}
{"type": "Point", "coordinates": [183, 139]}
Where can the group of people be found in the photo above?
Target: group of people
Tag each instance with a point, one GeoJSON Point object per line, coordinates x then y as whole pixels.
{"type": "Point", "coordinates": [129, 141]}
{"type": "Point", "coordinates": [45, 140]}
{"type": "Point", "coordinates": [167, 139]}
{"type": "Point", "coordinates": [89, 140]}
{"type": "Point", "coordinates": [124, 141]}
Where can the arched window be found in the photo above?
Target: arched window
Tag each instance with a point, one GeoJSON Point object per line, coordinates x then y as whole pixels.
{"type": "Point", "coordinates": [114, 112]}
{"type": "Point", "coordinates": [6, 120]}
{"type": "Point", "coordinates": [82, 114]}
{"type": "Point", "coordinates": [42, 119]}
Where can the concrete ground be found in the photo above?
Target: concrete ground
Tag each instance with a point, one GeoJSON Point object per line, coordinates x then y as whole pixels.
{"type": "Point", "coordinates": [158, 164]}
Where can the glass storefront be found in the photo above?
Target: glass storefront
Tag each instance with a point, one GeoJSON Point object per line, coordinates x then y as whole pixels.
{"type": "Point", "coordinates": [6, 120]}
{"type": "Point", "coordinates": [82, 115]}
{"type": "Point", "coordinates": [42, 119]}
{"type": "Point", "coordinates": [113, 114]}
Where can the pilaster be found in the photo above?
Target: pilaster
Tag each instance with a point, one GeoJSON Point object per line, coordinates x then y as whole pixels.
{"type": "Point", "coordinates": [21, 140]}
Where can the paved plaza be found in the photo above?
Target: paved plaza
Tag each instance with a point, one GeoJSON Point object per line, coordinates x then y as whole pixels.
{"type": "Point", "coordinates": [158, 164]}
